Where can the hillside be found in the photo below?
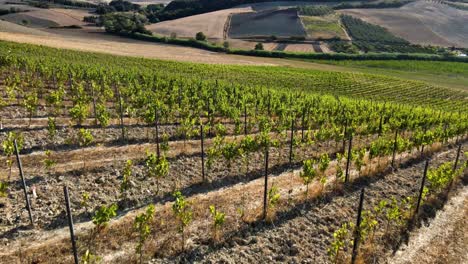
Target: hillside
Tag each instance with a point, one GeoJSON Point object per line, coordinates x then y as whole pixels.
{"type": "Point", "coordinates": [167, 162]}
{"type": "Point", "coordinates": [415, 22]}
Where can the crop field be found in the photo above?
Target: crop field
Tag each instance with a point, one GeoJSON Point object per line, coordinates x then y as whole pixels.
{"type": "Point", "coordinates": [446, 73]}
{"type": "Point", "coordinates": [44, 18]}
{"type": "Point", "coordinates": [169, 162]}
{"type": "Point", "coordinates": [415, 22]}
{"type": "Point", "coordinates": [280, 23]}
{"type": "Point", "coordinates": [211, 24]}
{"type": "Point", "coordinates": [325, 27]}
{"type": "Point", "coordinates": [299, 47]}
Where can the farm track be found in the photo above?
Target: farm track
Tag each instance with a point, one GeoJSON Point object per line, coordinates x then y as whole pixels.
{"type": "Point", "coordinates": [292, 237]}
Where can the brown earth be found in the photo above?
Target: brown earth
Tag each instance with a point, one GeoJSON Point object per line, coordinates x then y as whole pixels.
{"type": "Point", "coordinates": [211, 24]}
{"type": "Point", "coordinates": [297, 222]}
{"type": "Point", "coordinates": [44, 18]}
{"type": "Point", "coordinates": [443, 240]}
{"type": "Point", "coordinates": [300, 47]}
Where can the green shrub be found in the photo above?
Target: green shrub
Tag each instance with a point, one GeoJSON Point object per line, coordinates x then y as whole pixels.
{"type": "Point", "coordinates": [259, 46]}
{"type": "Point", "coordinates": [200, 36]}
{"type": "Point", "coordinates": [103, 215]}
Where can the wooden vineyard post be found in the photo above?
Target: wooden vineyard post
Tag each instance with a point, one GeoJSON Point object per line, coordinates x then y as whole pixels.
{"type": "Point", "coordinates": [202, 152]}
{"type": "Point", "coordinates": [302, 123]}
{"type": "Point", "coordinates": [348, 160]}
{"type": "Point", "coordinates": [455, 165]}
{"type": "Point", "coordinates": [20, 168]}
{"type": "Point", "coordinates": [457, 158]}
{"type": "Point", "coordinates": [344, 135]}
{"type": "Point", "coordinates": [245, 119]}
{"type": "Point", "coordinates": [94, 101]}
{"type": "Point", "coordinates": [394, 149]}
{"type": "Point", "coordinates": [421, 189]}
{"type": "Point", "coordinates": [70, 223]}
{"type": "Point", "coordinates": [357, 230]}
{"type": "Point", "coordinates": [265, 191]}
{"type": "Point", "coordinates": [291, 143]}
{"type": "Point", "coordinates": [380, 125]}
{"type": "Point", "coordinates": [269, 102]}
{"type": "Point", "coordinates": [121, 114]}
{"type": "Point", "coordinates": [156, 123]}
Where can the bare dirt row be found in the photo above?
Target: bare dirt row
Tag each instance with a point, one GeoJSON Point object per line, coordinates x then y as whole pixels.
{"type": "Point", "coordinates": [302, 230]}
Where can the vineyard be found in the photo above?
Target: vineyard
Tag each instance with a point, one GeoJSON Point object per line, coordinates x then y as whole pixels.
{"type": "Point", "coordinates": [166, 162]}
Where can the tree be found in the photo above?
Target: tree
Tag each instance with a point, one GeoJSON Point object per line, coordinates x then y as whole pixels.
{"type": "Point", "coordinates": [30, 103]}
{"type": "Point", "coordinates": [200, 36]}
{"type": "Point", "coordinates": [48, 161]}
{"type": "Point", "coordinates": [102, 115]}
{"type": "Point", "coordinates": [272, 199]}
{"type": "Point", "coordinates": [142, 226]}
{"type": "Point", "coordinates": [8, 146]}
{"type": "Point", "coordinates": [85, 138]}
{"type": "Point", "coordinates": [218, 221]}
{"type": "Point", "coordinates": [259, 46]}
{"type": "Point", "coordinates": [158, 167]}
{"type": "Point", "coordinates": [183, 213]}
{"type": "Point", "coordinates": [324, 162]}
{"type": "Point", "coordinates": [308, 173]}
{"type": "Point", "coordinates": [125, 23]}
{"type": "Point", "coordinates": [103, 215]}
{"type": "Point", "coordinates": [51, 127]}
{"type": "Point", "coordinates": [79, 112]}
{"type": "Point", "coordinates": [126, 174]}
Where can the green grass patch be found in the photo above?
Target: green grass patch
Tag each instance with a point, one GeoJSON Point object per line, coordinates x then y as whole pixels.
{"type": "Point", "coordinates": [326, 27]}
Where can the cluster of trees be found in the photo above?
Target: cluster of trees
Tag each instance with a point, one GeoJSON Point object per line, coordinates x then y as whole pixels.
{"type": "Point", "coordinates": [73, 3]}
{"type": "Point", "coordinates": [151, 12]}
{"type": "Point", "coordinates": [120, 16]}
{"type": "Point", "coordinates": [11, 10]}
{"type": "Point", "coordinates": [125, 23]}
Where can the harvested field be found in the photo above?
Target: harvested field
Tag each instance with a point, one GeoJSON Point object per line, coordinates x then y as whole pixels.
{"type": "Point", "coordinates": [421, 22]}
{"type": "Point", "coordinates": [150, 2]}
{"type": "Point", "coordinates": [97, 41]}
{"type": "Point", "coordinates": [211, 24]}
{"type": "Point", "coordinates": [280, 23]}
{"type": "Point", "coordinates": [13, 28]}
{"type": "Point", "coordinates": [326, 27]}
{"type": "Point", "coordinates": [45, 18]}
{"type": "Point", "coordinates": [300, 47]}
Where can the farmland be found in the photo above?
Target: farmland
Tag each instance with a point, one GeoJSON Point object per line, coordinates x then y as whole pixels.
{"type": "Point", "coordinates": [414, 22]}
{"type": "Point", "coordinates": [212, 24]}
{"type": "Point", "coordinates": [260, 24]}
{"type": "Point", "coordinates": [181, 162]}
{"type": "Point", "coordinates": [323, 27]}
